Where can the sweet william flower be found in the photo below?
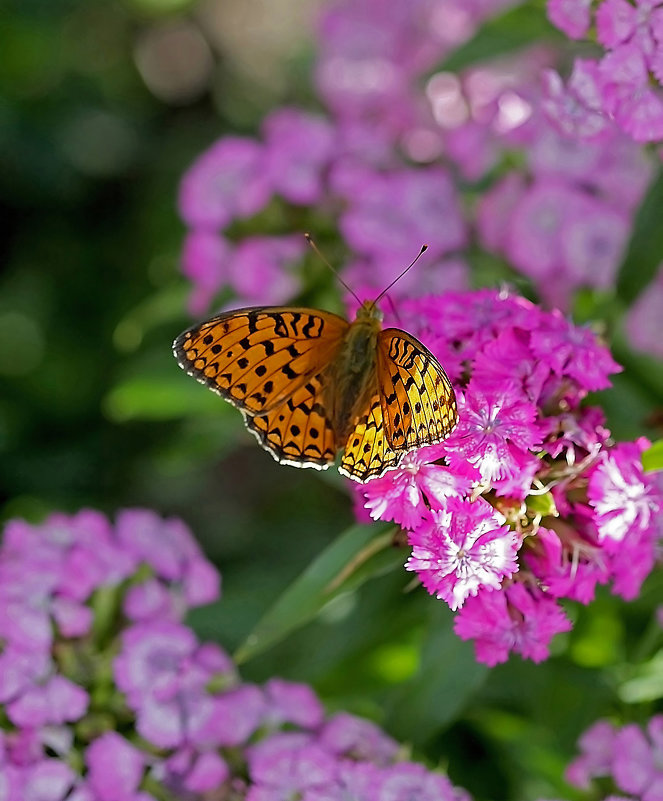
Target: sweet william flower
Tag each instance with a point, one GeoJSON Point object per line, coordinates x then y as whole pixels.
{"type": "Point", "coordinates": [115, 767]}
{"type": "Point", "coordinates": [261, 268]}
{"type": "Point", "coordinates": [571, 16]}
{"type": "Point", "coordinates": [306, 773]}
{"type": "Point", "coordinates": [190, 727]}
{"type": "Point", "coordinates": [298, 148]}
{"type": "Point", "coordinates": [358, 739]}
{"type": "Point", "coordinates": [404, 495]}
{"type": "Point", "coordinates": [596, 746]}
{"type": "Point", "coordinates": [643, 318]}
{"type": "Point", "coordinates": [630, 756]}
{"type": "Point", "coordinates": [518, 619]}
{"type": "Point", "coordinates": [497, 433]}
{"type": "Point", "coordinates": [462, 549]}
{"type": "Point", "coordinates": [225, 182]}
{"type": "Point", "coordinates": [289, 702]}
{"type": "Point", "coordinates": [624, 499]}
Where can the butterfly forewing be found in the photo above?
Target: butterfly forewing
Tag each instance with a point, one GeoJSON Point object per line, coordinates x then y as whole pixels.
{"type": "Point", "coordinates": [257, 358]}
{"type": "Point", "coordinates": [418, 401]}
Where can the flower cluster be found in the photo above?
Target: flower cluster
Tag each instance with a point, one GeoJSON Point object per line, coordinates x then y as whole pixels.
{"type": "Point", "coordinates": [106, 695]}
{"type": "Point", "coordinates": [392, 161]}
{"type": "Point", "coordinates": [625, 86]}
{"type": "Point", "coordinates": [528, 501]}
{"type": "Point", "coordinates": [627, 755]}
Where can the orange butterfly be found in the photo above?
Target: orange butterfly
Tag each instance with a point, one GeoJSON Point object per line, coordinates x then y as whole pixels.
{"type": "Point", "coordinates": [309, 383]}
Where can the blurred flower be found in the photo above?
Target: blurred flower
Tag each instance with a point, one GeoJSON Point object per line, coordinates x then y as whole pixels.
{"type": "Point", "coordinates": [644, 317]}
{"type": "Point", "coordinates": [299, 147]}
{"type": "Point", "coordinates": [630, 757]}
{"type": "Point", "coordinates": [228, 180]}
{"type": "Point", "coordinates": [260, 268]}
{"type": "Point", "coordinates": [190, 728]}
{"type": "Point", "coordinates": [630, 73]}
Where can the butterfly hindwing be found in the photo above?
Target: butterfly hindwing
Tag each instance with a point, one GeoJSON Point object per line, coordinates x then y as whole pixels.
{"type": "Point", "coordinates": [299, 431]}
{"type": "Point", "coordinates": [257, 358]}
{"type": "Point", "coordinates": [367, 453]}
{"type": "Point", "coordinates": [417, 399]}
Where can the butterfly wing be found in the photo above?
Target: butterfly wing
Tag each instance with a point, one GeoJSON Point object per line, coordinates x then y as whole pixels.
{"type": "Point", "coordinates": [367, 453]}
{"type": "Point", "coordinates": [299, 432]}
{"type": "Point", "coordinates": [257, 358]}
{"type": "Point", "coordinates": [417, 399]}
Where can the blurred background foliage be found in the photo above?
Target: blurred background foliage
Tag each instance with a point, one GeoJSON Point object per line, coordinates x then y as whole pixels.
{"type": "Point", "coordinates": [103, 106]}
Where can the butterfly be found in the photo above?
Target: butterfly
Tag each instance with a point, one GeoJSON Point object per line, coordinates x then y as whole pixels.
{"type": "Point", "coordinates": [309, 383]}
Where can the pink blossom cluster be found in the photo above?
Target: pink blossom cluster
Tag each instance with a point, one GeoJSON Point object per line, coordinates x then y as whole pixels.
{"type": "Point", "coordinates": [528, 501]}
{"type": "Point", "coordinates": [393, 162]}
{"type": "Point", "coordinates": [106, 695]}
{"type": "Point", "coordinates": [628, 756]}
{"type": "Point", "coordinates": [624, 86]}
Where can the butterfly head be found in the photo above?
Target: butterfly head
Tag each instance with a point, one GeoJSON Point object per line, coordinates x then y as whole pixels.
{"type": "Point", "coordinates": [369, 312]}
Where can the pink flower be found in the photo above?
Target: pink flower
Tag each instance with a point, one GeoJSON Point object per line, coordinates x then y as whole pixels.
{"type": "Point", "coordinates": [306, 773]}
{"type": "Point", "coordinates": [355, 738]}
{"type": "Point", "coordinates": [637, 761]}
{"type": "Point", "coordinates": [576, 109]}
{"type": "Point", "coordinates": [56, 701]}
{"type": "Point", "coordinates": [47, 780]}
{"type": "Point", "coordinates": [261, 269]}
{"type": "Point", "coordinates": [404, 495]}
{"type": "Point", "coordinates": [534, 236]}
{"type": "Point", "coordinates": [573, 352]}
{"type": "Point", "coordinates": [225, 182]}
{"type": "Point", "coordinates": [235, 716]}
{"type": "Point", "coordinates": [497, 433]}
{"type": "Point", "coordinates": [151, 655]}
{"type": "Point", "coordinates": [463, 549]}
{"type": "Point", "coordinates": [187, 771]}
{"type": "Point", "coordinates": [495, 207]}
{"type": "Point", "coordinates": [597, 746]}
{"type": "Point", "coordinates": [518, 619]}
{"type": "Point", "coordinates": [426, 210]}
{"type": "Point", "coordinates": [407, 780]}
{"type": "Point", "coordinates": [289, 702]}
{"type": "Point", "coordinates": [115, 768]}
{"type": "Point", "coordinates": [205, 258]}
{"type": "Point", "coordinates": [508, 357]}
{"type": "Point", "coordinates": [644, 317]}
{"type": "Point", "coordinates": [567, 570]}
{"type": "Point", "coordinates": [624, 499]}
{"type": "Point", "coordinates": [298, 147]}
{"type": "Point", "coordinates": [570, 16]}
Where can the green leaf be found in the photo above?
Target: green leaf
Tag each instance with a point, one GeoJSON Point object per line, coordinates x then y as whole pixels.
{"type": "Point", "coordinates": [448, 677]}
{"type": "Point", "coordinates": [652, 458]}
{"type": "Point", "coordinates": [360, 553]}
{"type": "Point", "coordinates": [158, 397]}
{"type": "Point", "coordinates": [646, 683]}
{"type": "Point", "coordinates": [644, 251]}
{"type": "Point", "coordinates": [514, 30]}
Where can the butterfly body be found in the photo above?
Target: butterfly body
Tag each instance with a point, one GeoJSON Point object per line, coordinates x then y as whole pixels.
{"type": "Point", "coordinates": [350, 378]}
{"type": "Point", "coordinates": [309, 383]}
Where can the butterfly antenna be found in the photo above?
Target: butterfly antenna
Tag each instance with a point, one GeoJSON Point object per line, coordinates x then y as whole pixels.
{"type": "Point", "coordinates": [393, 309]}
{"type": "Point", "coordinates": [424, 248]}
{"type": "Point", "coordinates": [316, 249]}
